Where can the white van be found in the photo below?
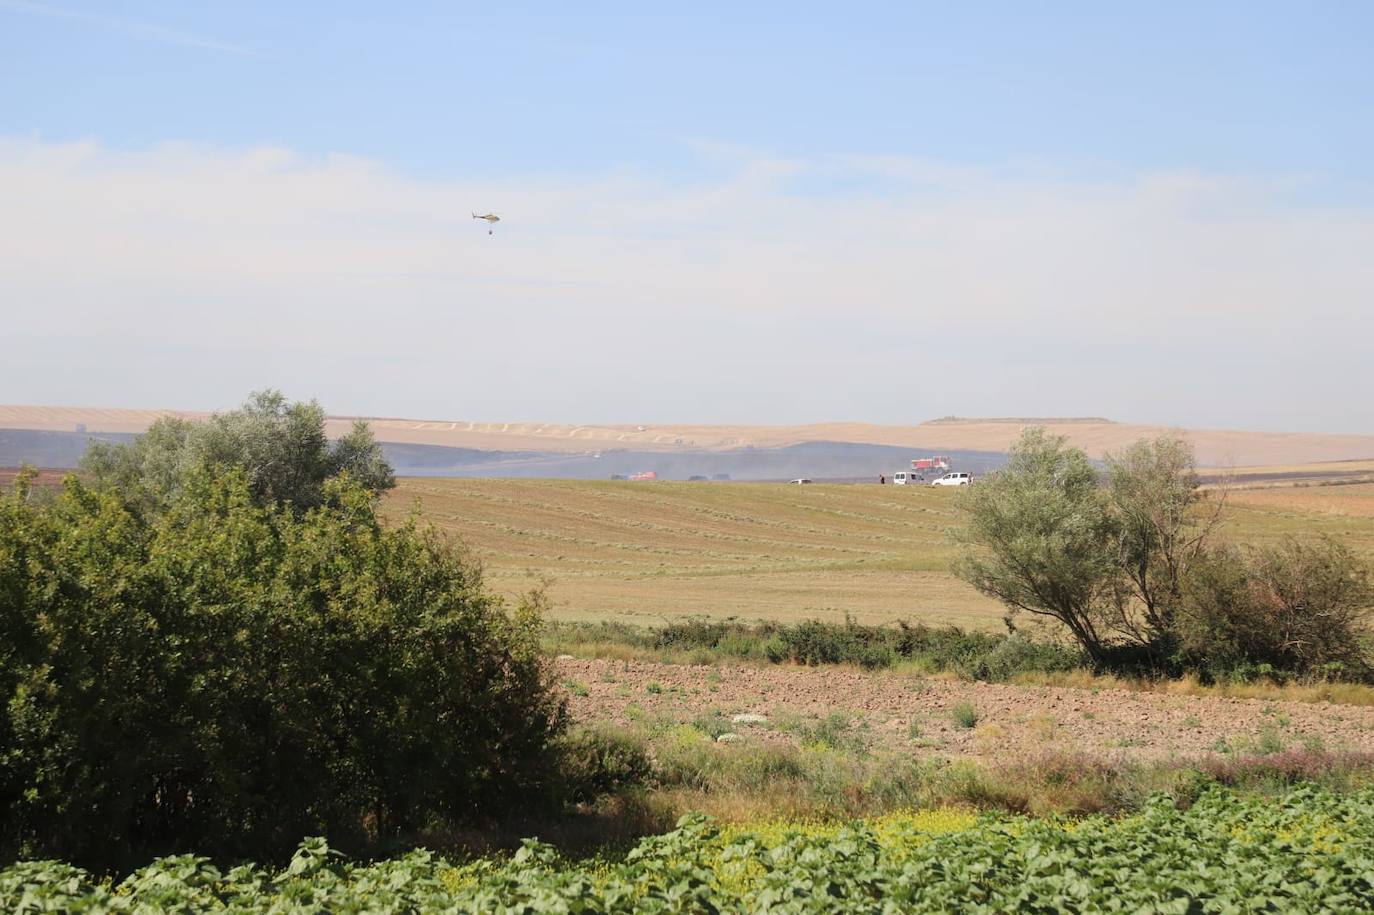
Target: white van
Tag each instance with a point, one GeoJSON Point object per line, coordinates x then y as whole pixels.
{"type": "Point", "coordinates": [906, 478]}
{"type": "Point", "coordinates": [953, 479]}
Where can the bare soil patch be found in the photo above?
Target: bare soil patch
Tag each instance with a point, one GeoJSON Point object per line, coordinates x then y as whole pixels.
{"type": "Point", "coordinates": [904, 712]}
{"type": "Point", "coordinates": [45, 477]}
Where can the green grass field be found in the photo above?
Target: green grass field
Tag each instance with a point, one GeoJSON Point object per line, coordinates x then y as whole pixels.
{"type": "Point", "coordinates": [652, 552]}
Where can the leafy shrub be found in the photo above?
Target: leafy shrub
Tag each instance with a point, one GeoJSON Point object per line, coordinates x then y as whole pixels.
{"type": "Point", "coordinates": [695, 633]}
{"type": "Point", "coordinates": [1299, 608]}
{"type": "Point", "coordinates": [228, 676]}
{"type": "Point", "coordinates": [775, 649]}
{"type": "Point", "coordinates": [973, 655]}
{"type": "Point", "coordinates": [691, 760]}
{"type": "Point", "coordinates": [964, 715]}
{"type": "Point", "coordinates": [835, 730]}
{"type": "Point", "coordinates": [602, 760]}
{"type": "Point", "coordinates": [713, 725]}
{"type": "Point", "coordinates": [874, 656]}
{"type": "Point", "coordinates": [1000, 659]}
{"type": "Point", "coordinates": [1270, 740]}
{"type": "Point", "coordinates": [729, 639]}
{"type": "Point", "coordinates": [737, 643]}
{"type": "Point", "coordinates": [814, 642]}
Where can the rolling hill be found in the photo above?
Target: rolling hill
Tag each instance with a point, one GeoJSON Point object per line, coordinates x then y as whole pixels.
{"type": "Point", "coordinates": [1215, 448]}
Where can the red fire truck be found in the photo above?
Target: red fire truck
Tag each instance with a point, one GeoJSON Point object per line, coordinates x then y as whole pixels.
{"type": "Point", "coordinates": [939, 462]}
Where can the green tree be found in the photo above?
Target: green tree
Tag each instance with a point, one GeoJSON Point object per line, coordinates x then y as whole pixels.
{"type": "Point", "coordinates": [226, 676]}
{"type": "Point", "coordinates": [281, 447]}
{"type": "Point", "coordinates": [1162, 529]}
{"type": "Point", "coordinates": [1039, 537]}
{"type": "Point", "coordinates": [1131, 569]}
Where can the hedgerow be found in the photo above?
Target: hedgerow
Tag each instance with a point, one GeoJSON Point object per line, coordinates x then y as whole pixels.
{"type": "Point", "coordinates": [973, 655]}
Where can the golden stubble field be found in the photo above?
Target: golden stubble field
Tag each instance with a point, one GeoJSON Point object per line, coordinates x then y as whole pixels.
{"type": "Point", "coordinates": [1352, 501]}
{"type": "Point", "coordinates": [653, 552]}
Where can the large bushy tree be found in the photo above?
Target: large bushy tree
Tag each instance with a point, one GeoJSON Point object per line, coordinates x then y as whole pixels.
{"type": "Point", "coordinates": [1132, 568]}
{"type": "Point", "coordinates": [281, 447]}
{"type": "Point", "coordinates": [1163, 529]}
{"type": "Point", "coordinates": [1038, 537]}
{"type": "Point", "coordinates": [227, 675]}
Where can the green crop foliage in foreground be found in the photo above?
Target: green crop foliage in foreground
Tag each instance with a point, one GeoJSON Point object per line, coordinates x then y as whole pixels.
{"type": "Point", "coordinates": [1305, 851]}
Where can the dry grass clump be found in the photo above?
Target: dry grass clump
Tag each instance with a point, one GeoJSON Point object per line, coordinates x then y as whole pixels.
{"type": "Point", "coordinates": [1341, 770]}
{"type": "Point", "coordinates": [752, 780]}
{"type": "Point", "coordinates": [747, 785]}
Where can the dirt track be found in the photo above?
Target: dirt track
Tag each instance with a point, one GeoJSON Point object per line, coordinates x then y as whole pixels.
{"type": "Point", "coordinates": [1011, 720]}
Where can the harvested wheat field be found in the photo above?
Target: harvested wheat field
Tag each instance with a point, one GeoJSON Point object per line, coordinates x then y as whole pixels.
{"type": "Point", "coordinates": [648, 553]}
{"type": "Point", "coordinates": [653, 552]}
{"type": "Point", "coordinates": [1355, 500]}
{"type": "Point", "coordinates": [898, 711]}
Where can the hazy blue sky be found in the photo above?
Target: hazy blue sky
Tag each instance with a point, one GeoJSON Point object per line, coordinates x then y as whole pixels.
{"type": "Point", "coordinates": [737, 212]}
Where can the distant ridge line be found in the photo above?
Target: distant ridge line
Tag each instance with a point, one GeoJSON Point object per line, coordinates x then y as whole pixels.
{"type": "Point", "coordinates": [1048, 420]}
{"type": "Point", "coordinates": [1095, 435]}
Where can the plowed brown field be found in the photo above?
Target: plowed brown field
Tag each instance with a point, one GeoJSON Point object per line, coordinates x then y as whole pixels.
{"type": "Point", "coordinates": [884, 707]}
